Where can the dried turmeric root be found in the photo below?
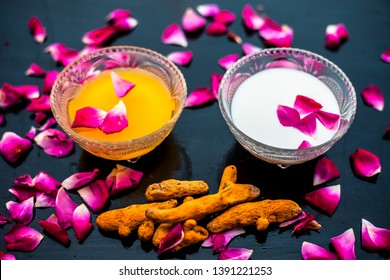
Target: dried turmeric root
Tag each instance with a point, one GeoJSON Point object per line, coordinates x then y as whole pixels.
{"type": "Point", "coordinates": [229, 175]}
{"type": "Point", "coordinates": [259, 213]}
{"type": "Point", "coordinates": [125, 220]}
{"type": "Point", "coordinates": [172, 188]}
{"type": "Point", "coordinates": [199, 208]}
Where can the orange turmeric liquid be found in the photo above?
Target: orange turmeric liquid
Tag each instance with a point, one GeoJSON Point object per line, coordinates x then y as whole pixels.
{"type": "Point", "coordinates": [148, 105]}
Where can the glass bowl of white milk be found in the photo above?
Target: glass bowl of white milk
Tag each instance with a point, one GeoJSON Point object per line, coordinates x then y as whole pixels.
{"type": "Point", "coordinates": [259, 86]}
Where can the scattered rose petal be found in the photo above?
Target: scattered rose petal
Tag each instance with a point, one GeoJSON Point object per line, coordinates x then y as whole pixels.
{"type": "Point", "coordinates": [305, 105]}
{"type": "Point", "coordinates": [79, 179]}
{"type": "Point", "coordinates": [122, 178]}
{"type": "Point", "coordinates": [249, 48]}
{"type": "Point", "coordinates": [22, 238]}
{"type": "Point", "coordinates": [276, 35]}
{"type": "Point", "coordinates": [173, 34]}
{"type": "Point", "coordinates": [308, 124]}
{"type": "Point", "coordinates": [95, 195]}
{"type": "Point", "coordinates": [115, 120]}
{"type": "Point", "coordinates": [235, 254]}
{"type": "Point", "coordinates": [124, 24]}
{"type": "Point", "coordinates": [216, 28]}
{"type": "Point", "coordinates": [224, 16]}
{"type": "Point", "coordinates": [191, 21]}
{"type": "Point", "coordinates": [180, 58]}
{"type": "Point", "coordinates": [98, 36]}
{"type": "Point", "coordinates": [121, 86]}
{"type": "Point", "coordinates": [54, 142]}
{"type": "Point", "coordinates": [81, 222]}
{"type": "Point", "coordinates": [52, 227]}
{"type": "Point", "coordinates": [344, 245]}
{"type": "Point", "coordinates": [329, 120]}
{"type": "Point", "coordinates": [41, 103]}
{"type": "Point", "coordinates": [35, 70]}
{"type": "Point", "coordinates": [2, 118]}
{"type": "Point", "coordinates": [215, 82]}
{"type": "Point", "coordinates": [64, 208]}
{"type": "Point", "coordinates": [61, 53]}
{"type": "Point", "coordinates": [24, 181]}
{"type": "Point", "coordinates": [89, 117]}
{"type": "Point", "coordinates": [305, 144]}
{"type": "Point", "coordinates": [50, 122]}
{"type": "Point", "coordinates": [208, 10]}
{"type": "Point", "coordinates": [365, 163]}
{"type": "Point", "coordinates": [13, 147]}
{"type": "Point", "coordinates": [21, 212]}
{"type": "Point", "coordinates": [43, 200]}
{"type": "Point", "coordinates": [49, 80]}
{"type": "Point", "coordinates": [325, 171]}
{"type": "Point", "coordinates": [7, 257]}
{"type": "Point", "coordinates": [199, 96]}
{"type": "Point", "coordinates": [385, 56]}
{"type": "Point", "coordinates": [219, 241]}
{"type": "Point", "coordinates": [374, 238]}
{"type": "Point", "coordinates": [173, 238]}
{"type": "Point", "coordinates": [118, 14]}
{"type": "Point", "coordinates": [234, 37]}
{"type": "Point", "coordinates": [312, 251]}
{"type": "Point", "coordinates": [288, 116]}
{"type": "Point", "coordinates": [373, 96]}
{"type": "Point", "coordinates": [45, 183]}
{"type": "Point", "coordinates": [335, 34]}
{"type": "Point", "coordinates": [37, 29]}
{"type": "Point", "coordinates": [22, 193]}
{"type": "Point", "coordinates": [307, 222]}
{"type": "Point", "coordinates": [228, 60]}
{"type": "Point", "coordinates": [252, 20]}
{"type": "Point", "coordinates": [326, 198]}
{"type": "Point", "coordinates": [10, 94]}
{"type": "Point", "coordinates": [31, 133]}
{"type": "Point", "coordinates": [4, 220]}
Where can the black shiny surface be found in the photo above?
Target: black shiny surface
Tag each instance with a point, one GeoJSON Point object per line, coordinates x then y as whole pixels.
{"type": "Point", "coordinates": [201, 145]}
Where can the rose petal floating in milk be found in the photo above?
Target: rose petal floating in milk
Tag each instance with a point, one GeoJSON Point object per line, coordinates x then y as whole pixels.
{"type": "Point", "coordinates": [325, 170]}
{"type": "Point", "coordinates": [191, 21]}
{"type": "Point", "coordinates": [335, 35]}
{"type": "Point", "coordinates": [385, 56]}
{"type": "Point", "coordinates": [374, 238]}
{"type": "Point", "coordinates": [326, 198]}
{"type": "Point", "coordinates": [81, 222]}
{"type": "Point", "coordinates": [22, 238]}
{"type": "Point", "coordinates": [344, 245]}
{"type": "Point", "coordinates": [35, 70]}
{"type": "Point", "coordinates": [173, 34]}
{"type": "Point", "coordinates": [52, 228]}
{"type": "Point", "coordinates": [364, 163]}
{"type": "Point", "coordinates": [180, 58]}
{"type": "Point", "coordinates": [306, 105]}
{"type": "Point", "coordinates": [95, 195]}
{"type": "Point", "coordinates": [22, 212]}
{"type": "Point", "coordinates": [172, 239]}
{"type": "Point", "coordinates": [305, 144]}
{"type": "Point", "coordinates": [373, 96]}
{"type": "Point", "coordinates": [37, 29]}
{"type": "Point", "coordinates": [208, 10]}
{"type": "Point", "coordinates": [235, 254]}
{"type": "Point", "coordinates": [252, 20]}
{"type": "Point", "coordinates": [13, 147]}
{"type": "Point", "coordinates": [79, 179]}
{"type": "Point", "coordinates": [311, 251]}
{"type": "Point", "coordinates": [329, 120]}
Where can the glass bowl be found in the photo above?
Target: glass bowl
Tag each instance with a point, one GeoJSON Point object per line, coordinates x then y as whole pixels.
{"type": "Point", "coordinates": [297, 59]}
{"type": "Point", "coordinates": [89, 65]}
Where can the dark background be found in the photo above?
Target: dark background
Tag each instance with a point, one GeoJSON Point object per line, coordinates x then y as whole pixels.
{"type": "Point", "coordinates": [201, 145]}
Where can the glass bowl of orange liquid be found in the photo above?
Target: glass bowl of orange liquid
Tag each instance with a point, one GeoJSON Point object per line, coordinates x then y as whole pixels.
{"type": "Point", "coordinates": [153, 106]}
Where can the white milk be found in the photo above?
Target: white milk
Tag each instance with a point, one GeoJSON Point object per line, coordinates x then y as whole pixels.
{"type": "Point", "coordinates": [256, 101]}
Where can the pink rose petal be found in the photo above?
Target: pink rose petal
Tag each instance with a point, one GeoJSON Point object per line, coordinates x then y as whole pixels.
{"type": "Point", "coordinates": [21, 212]}
{"type": "Point", "coordinates": [43, 200]}
{"type": "Point", "coordinates": [276, 35]}
{"type": "Point", "coordinates": [228, 60]}
{"type": "Point", "coordinates": [4, 220]}
{"type": "Point", "coordinates": [216, 28]}
{"type": "Point", "coordinates": [7, 257]}
{"type": "Point", "coordinates": [49, 80]}
{"type": "Point", "coordinates": [118, 14]}
{"type": "Point", "coordinates": [180, 58]}
{"type": "Point", "coordinates": [307, 222]}
{"type": "Point", "coordinates": [191, 21]}
{"type": "Point", "coordinates": [10, 94]}
{"type": "Point", "coordinates": [89, 117]}
{"type": "Point", "coordinates": [215, 82]}
{"type": "Point", "coordinates": [64, 208]}
{"type": "Point", "coordinates": [307, 125]}
{"type": "Point", "coordinates": [199, 96]}
{"type": "Point", "coordinates": [325, 171]}
{"type": "Point", "coordinates": [252, 20]}
{"type": "Point", "coordinates": [54, 142]}
{"type": "Point", "coordinates": [173, 238]}
{"type": "Point", "coordinates": [385, 56]}
{"type": "Point", "coordinates": [121, 86]}
{"type": "Point", "coordinates": [249, 48]}
{"type": "Point", "coordinates": [37, 29]}
{"type": "Point", "coordinates": [115, 120]}
{"type": "Point", "coordinates": [124, 24]}
{"type": "Point", "coordinates": [288, 116]}
{"type": "Point", "coordinates": [224, 16]}
{"type": "Point", "coordinates": [22, 192]}
{"type": "Point", "coordinates": [208, 10]}
{"type": "Point", "coordinates": [79, 179]}
{"type": "Point", "coordinates": [95, 195]}
{"type": "Point", "coordinates": [219, 241]}
{"type": "Point", "coordinates": [41, 103]}
{"type": "Point", "coordinates": [234, 37]}
{"type": "Point", "coordinates": [344, 245]}
{"type": "Point", "coordinates": [173, 34]}
{"type": "Point", "coordinates": [235, 254]}
{"type": "Point", "coordinates": [35, 70]}
{"type": "Point", "coordinates": [326, 198]}
{"type": "Point", "coordinates": [13, 147]}
{"type": "Point", "coordinates": [329, 120]}
{"type": "Point", "coordinates": [122, 178]}
{"type": "Point", "coordinates": [305, 144]}
{"type": "Point", "coordinates": [50, 122]}
{"type": "Point", "coordinates": [312, 251]}
{"type": "Point", "coordinates": [373, 96]}
{"type": "Point", "coordinates": [22, 238]}
{"type": "Point", "coordinates": [45, 183]}
{"type": "Point", "coordinates": [81, 222]}
{"type": "Point", "coordinates": [31, 133]}
{"type": "Point", "coordinates": [374, 238]}
{"type": "Point", "coordinates": [365, 163]}
{"type": "Point", "coordinates": [99, 36]}
{"type": "Point", "coordinates": [24, 181]}
{"type": "Point", "coordinates": [335, 34]}
{"type": "Point", "coordinates": [61, 53]}
{"type": "Point", "coordinates": [52, 227]}
{"type": "Point", "coordinates": [305, 105]}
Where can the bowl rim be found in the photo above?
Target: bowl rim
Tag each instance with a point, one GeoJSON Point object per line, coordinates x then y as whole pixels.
{"type": "Point", "coordinates": [297, 153]}
{"type": "Point", "coordinates": [102, 51]}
